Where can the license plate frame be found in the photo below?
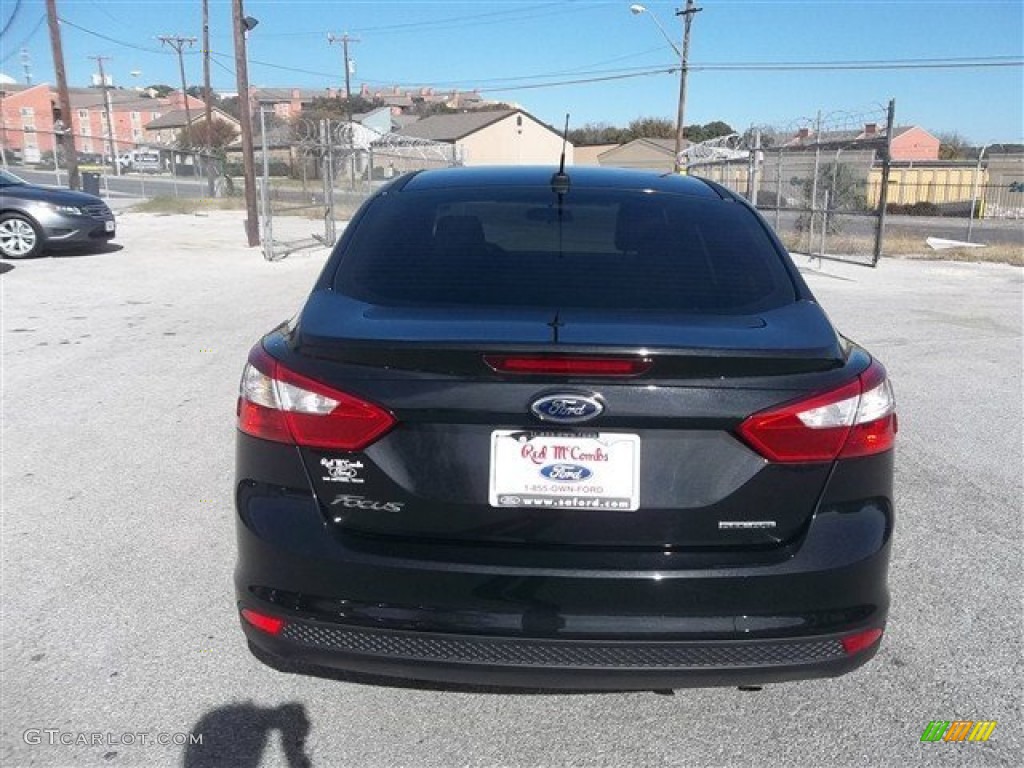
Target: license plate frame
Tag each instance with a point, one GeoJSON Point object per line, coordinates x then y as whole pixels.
{"type": "Point", "coordinates": [544, 469]}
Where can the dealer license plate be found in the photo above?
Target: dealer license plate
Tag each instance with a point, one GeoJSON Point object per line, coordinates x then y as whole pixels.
{"type": "Point", "coordinates": [598, 470]}
{"type": "Point", "coordinates": [109, 225]}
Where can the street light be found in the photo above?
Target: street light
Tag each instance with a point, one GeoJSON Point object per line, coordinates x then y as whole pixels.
{"type": "Point", "coordinates": [684, 56]}
{"type": "Point", "coordinates": [637, 9]}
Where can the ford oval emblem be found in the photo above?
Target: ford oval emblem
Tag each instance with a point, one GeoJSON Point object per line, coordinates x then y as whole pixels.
{"type": "Point", "coordinates": [566, 408]}
{"type": "Point", "coordinates": [566, 473]}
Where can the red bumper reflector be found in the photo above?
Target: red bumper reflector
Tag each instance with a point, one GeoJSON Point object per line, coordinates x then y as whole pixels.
{"type": "Point", "coordinates": [269, 624]}
{"type": "Point", "coordinates": [569, 366]}
{"type": "Point", "coordinates": [862, 640]}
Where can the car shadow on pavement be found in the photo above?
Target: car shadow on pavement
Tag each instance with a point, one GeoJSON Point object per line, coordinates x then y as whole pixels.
{"type": "Point", "coordinates": [5, 267]}
{"type": "Point", "coordinates": [237, 736]}
{"type": "Point", "coordinates": [86, 250]}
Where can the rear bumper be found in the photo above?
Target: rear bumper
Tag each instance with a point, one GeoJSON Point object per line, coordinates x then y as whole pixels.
{"type": "Point", "coordinates": [589, 620]}
{"type": "Point", "coordinates": [552, 663]}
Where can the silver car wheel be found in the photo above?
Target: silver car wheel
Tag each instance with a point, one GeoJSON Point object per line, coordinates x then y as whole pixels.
{"type": "Point", "coordinates": [17, 238]}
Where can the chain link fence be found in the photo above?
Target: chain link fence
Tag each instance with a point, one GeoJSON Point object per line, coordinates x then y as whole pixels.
{"type": "Point", "coordinates": [325, 169]}
{"type": "Point", "coordinates": [817, 180]}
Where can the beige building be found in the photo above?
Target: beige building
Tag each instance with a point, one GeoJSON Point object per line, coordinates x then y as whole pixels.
{"type": "Point", "coordinates": [499, 137]}
{"type": "Point", "coordinates": [165, 129]}
{"type": "Point", "coordinates": [648, 154]}
{"type": "Point", "coordinates": [588, 155]}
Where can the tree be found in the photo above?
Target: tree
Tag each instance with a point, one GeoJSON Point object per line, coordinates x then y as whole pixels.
{"type": "Point", "coordinates": [160, 89]}
{"type": "Point", "coordinates": [429, 108]}
{"type": "Point", "coordinates": [590, 134]}
{"type": "Point", "coordinates": [338, 108]}
{"type": "Point", "coordinates": [697, 133]}
{"type": "Point", "coordinates": [650, 128]}
{"type": "Point", "coordinates": [645, 128]}
{"type": "Point", "coordinates": [952, 146]}
{"type": "Point", "coordinates": [222, 134]}
{"type": "Point", "coordinates": [230, 105]}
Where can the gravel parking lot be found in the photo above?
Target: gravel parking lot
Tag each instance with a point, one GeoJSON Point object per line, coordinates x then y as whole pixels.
{"type": "Point", "coordinates": [120, 372]}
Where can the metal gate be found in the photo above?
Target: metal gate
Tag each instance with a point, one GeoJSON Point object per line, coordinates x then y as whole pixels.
{"type": "Point", "coordinates": [309, 142]}
{"type": "Point", "coordinates": [821, 182]}
{"type": "Point", "coordinates": [333, 167]}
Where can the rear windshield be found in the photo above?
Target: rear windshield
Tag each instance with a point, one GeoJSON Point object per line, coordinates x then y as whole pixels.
{"type": "Point", "coordinates": [599, 249]}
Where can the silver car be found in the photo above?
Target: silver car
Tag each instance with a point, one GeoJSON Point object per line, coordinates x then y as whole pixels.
{"type": "Point", "coordinates": [34, 218]}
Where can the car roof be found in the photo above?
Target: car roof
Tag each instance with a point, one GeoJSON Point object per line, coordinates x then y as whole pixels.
{"type": "Point", "coordinates": [586, 177]}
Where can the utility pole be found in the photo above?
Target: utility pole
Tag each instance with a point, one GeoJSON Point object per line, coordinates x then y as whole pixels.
{"type": "Point", "coordinates": [688, 13]}
{"type": "Point", "coordinates": [62, 93]}
{"type": "Point", "coordinates": [211, 172]}
{"type": "Point", "coordinates": [107, 111]}
{"type": "Point", "coordinates": [883, 193]}
{"type": "Point", "coordinates": [345, 39]}
{"type": "Point", "coordinates": [26, 64]}
{"type": "Point", "coordinates": [242, 24]}
{"type": "Point", "coordinates": [178, 43]}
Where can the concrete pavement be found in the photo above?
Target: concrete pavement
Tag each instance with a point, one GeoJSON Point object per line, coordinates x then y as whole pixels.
{"type": "Point", "coordinates": [120, 373]}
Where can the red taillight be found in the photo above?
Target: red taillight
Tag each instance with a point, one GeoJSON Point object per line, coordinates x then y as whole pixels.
{"type": "Point", "coordinates": [269, 624]}
{"type": "Point", "coordinates": [860, 641]}
{"type": "Point", "coordinates": [568, 366]}
{"type": "Point", "coordinates": [857, 419]}
{"type": "Point", "coordinates": [278, 404]}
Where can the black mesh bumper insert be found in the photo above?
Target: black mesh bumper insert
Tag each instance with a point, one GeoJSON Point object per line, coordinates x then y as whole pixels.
{"type": "Point", "coordinates": [563, 653]}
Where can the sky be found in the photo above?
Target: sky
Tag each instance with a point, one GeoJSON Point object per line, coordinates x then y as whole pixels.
{"type": "Point", "coordinates": [752, 62]}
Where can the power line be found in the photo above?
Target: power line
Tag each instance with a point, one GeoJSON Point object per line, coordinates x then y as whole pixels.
{"type": "Point", "coordinates": [857, 65]}
{"type": "Point", "coordinates": [750, 68]}
{"type": "Point", "coordinates": [15, 48]}
{"type": "Point", "coordinates": [113, 39]}
{"type": "Point", "coordinates": [11, 18]}
{"type": "Point", "coordinates": [330, 75]}
{"type": "Point", "coordinates": [632, 72]}
{"type": "Point", "coordinates": [178, 43]}
{"type": "Point", "coordinates": [896, 64]}
{"type": "Point", "coordinates": [457, 22]}
{"type": "Point", "coordinates": [214, 60]}
{"type": "Point", "coordinates": [450, 22]}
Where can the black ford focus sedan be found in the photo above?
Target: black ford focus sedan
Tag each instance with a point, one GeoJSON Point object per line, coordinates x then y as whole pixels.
{"type": "Point", "coordinates": [585, 430]}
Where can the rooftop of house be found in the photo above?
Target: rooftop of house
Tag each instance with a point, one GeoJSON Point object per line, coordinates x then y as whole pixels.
{"type": "Point", "coordinates": [455, 126]}
{"type": "Point", "coordinates": [287, 94]}
{"type": "Point", "coordinates": [178, 117]}
{"type": "Point", "coordinates": [870, 132]}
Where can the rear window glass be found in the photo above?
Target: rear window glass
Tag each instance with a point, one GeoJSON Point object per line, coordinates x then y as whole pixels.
{"type": "Point", "coordinates": [601, 249]}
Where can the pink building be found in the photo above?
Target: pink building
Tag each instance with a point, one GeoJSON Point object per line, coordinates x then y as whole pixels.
{"type": "Point", "coordinates": [29, 114]}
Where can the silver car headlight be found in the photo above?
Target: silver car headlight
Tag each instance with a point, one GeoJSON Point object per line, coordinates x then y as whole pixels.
{"type": "Point", "coordinates": [72, 210]}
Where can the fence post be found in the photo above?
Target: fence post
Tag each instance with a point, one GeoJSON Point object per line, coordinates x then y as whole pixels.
{"type": "Point", "coordinates": [824, 224]}
{"type": "Point", "coordinates": [330, 233]}
{"type": "Point", "coordinates": [883, 193]}
{"type": "Point", "coordinates": [778, 193]}
{"type": "Point", "coordinates": [974, 194]}
{"type": "Point", "coordinates": [814, 183]}
{"type": "Point", "coordinates": [268, 219]}
{"type": "Point", "coordinates": [754, 174]}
